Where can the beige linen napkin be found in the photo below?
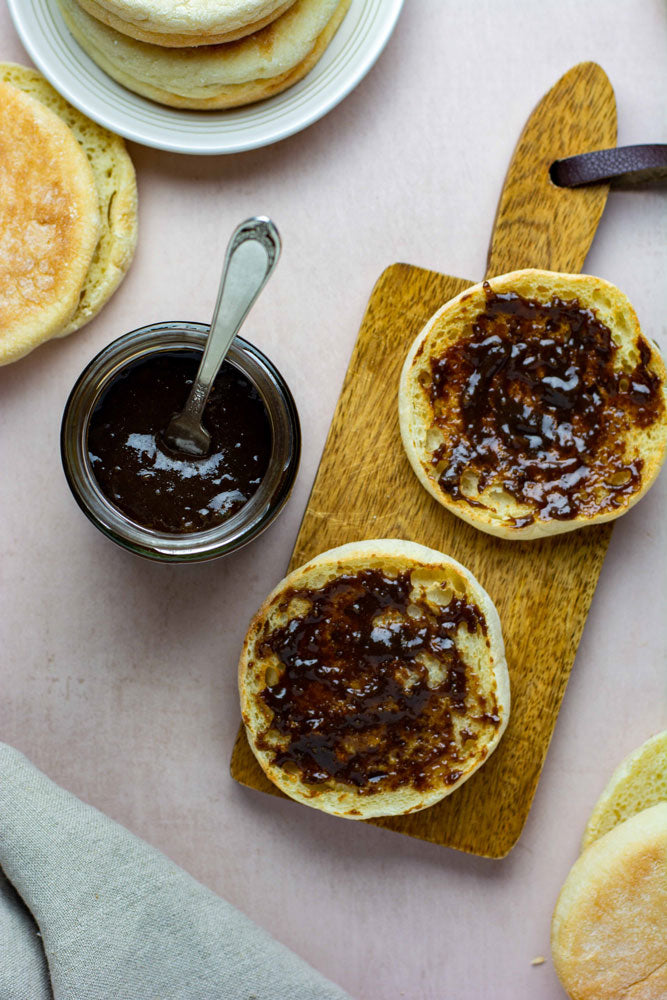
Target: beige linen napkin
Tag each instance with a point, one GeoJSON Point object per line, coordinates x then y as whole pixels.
{"type": "Point", "coordinates": [117, 919]}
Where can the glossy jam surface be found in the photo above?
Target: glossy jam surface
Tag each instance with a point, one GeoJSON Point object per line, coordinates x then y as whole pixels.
{"type": "Point", "coordinates": [162, 490]}
{"type": "Point", "coordinates": [532, 402]}
{"type": "Point", "coordinates": [370, 688]}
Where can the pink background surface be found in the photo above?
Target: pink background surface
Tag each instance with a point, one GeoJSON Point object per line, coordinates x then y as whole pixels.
{"type": "Point", "coordinates": [118, 676]}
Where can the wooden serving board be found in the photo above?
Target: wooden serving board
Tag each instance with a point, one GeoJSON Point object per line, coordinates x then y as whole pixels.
{"type": "Point", "coordinates": [365, 487]}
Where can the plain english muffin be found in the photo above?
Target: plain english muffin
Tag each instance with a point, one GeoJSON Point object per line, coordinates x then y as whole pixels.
{"type": "Point", "coordinates": [639, 782]}
{"type": "Point", "coordinates": [532, 404]}
{"type": "Point", "coordinates": [213, 76]}
{"type": "Point", "coordinates": [609, 928]}
{"type": "Point", "coordinates": [173, 23]}
{"type": "Point", "coordinates": [373, 679]}
{"type": "Point", "coordinates": [116, 187]}
{"type": "Point", "coordinates": [49, 223]}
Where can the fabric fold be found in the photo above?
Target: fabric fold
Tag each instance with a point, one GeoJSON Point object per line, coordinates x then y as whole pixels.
{"type": "Point", "coordinates": [118, 919]}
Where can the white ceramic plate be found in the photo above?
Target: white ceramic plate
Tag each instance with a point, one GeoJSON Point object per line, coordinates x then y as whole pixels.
{"type": "Point", "coordinates": [355, 47]}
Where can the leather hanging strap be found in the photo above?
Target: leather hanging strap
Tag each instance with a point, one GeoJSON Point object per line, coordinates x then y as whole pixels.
{"type": "Point", "coordinates": [621, 166]}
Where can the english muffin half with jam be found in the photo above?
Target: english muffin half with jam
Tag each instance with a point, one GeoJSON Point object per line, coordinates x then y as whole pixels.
{"type": "Point", "coordinates": [532, 404]}
{"type": "Point", "coordinates": [373, 679]}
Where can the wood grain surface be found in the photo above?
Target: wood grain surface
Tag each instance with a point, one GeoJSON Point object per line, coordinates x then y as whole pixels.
{"type": "Point", "coordinates": [538, 224]}
{"type": "Point", "coordinates": [365, 487]}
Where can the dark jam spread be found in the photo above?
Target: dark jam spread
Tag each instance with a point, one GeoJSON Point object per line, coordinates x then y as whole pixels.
{"type": "Point", "coordinates": [353, 698]}
{"type": "Point", "coordinates": [162, 490]}
{"type": "Point", "coordinates": [535, 402]}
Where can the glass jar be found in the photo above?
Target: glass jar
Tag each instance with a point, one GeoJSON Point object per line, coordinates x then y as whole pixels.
{"type": "Point", "coordinates": [256, 515]}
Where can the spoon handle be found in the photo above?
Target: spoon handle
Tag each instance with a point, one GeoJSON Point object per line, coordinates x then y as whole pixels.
{"type": "Point", "coordinates": [252, 254]}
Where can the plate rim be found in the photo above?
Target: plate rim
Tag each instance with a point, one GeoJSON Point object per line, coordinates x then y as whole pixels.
{"type": "Point", "coordinates": [158, 137]}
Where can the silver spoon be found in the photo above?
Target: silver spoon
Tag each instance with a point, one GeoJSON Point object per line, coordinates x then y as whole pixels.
{"type": "Point", "coordinates": [251, 256]}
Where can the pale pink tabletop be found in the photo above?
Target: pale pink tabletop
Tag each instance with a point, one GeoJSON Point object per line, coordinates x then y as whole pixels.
{"type": "Point", "coordinates": [119, 676]}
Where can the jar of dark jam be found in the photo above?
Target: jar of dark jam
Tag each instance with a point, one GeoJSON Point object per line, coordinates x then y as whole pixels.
{"type": "Point", "coordinates": [166, 520]}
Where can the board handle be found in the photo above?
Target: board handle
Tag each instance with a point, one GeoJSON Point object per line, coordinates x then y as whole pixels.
{"type": "Point", "coordinates": [538, 224]}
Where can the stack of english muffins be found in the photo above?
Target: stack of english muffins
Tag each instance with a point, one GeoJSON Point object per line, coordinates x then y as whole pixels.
{"type": "Point", "coordinates": [609, 928]}
{"type": "Point", "coordinates": [68, 215]}
{"type": "Point", "coordinates": [203, 54]}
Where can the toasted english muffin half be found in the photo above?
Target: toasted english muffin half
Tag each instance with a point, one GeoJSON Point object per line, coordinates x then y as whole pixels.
{"type": "Point", "coordinates": [49, 223]}
{"type": "Point", "coordinates": [608, 935]}
{"type": "Point", "coordinates": [532, 404]}
{"type": "Point", "coordinates": [640, 781]}
{"type": "Point", "coordinates": [193, 22]}
{"type": "Point", "coordinates": [116, 187]}
{"type": "Point", "coordinates": [373, 679]}
{"type": "Point", "coordinates": [212, 77]}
